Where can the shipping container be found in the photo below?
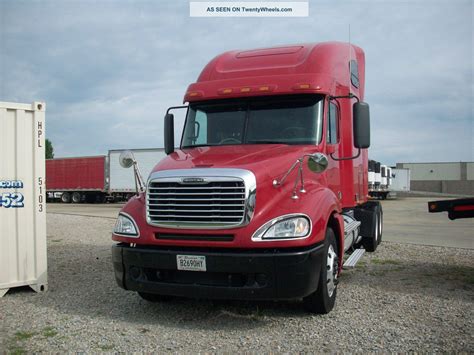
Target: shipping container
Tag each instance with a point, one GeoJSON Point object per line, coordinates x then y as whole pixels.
{"type": "Point", "coordinates": [77, 179]}
{"type": "Point", "coordinates": [121, 179]}
{"type": "Point", "coordinates": [23, 256]}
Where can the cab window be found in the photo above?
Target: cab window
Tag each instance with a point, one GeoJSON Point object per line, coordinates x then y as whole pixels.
{"type": "Point", "coordinates": [333, 126]}
{"type": "Point", "coordinates": [354, 70]}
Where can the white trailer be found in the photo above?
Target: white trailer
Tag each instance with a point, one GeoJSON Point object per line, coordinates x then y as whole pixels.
{"type": "Point", "coordinates": [389, 177]}
{"type": "Point", "coordinates": [378, 180]}
{"type": "Point", "coordinates": [23, 256]}
{"type": "Point", "coordinates": [400, 180]}
{"type": "Point", "coordinates": [121, 180]}
{"type": "Point", "coordinates": [383, 174]}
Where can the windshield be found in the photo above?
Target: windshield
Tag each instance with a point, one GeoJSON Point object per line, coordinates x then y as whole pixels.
{"type": "Point", "coordinates": [276, 120]}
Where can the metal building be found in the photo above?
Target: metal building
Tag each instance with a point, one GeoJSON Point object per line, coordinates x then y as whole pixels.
{"type": "Point", "coordinates": [451, 178]}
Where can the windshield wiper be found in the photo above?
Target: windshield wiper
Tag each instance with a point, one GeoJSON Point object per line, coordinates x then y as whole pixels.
{"type": "Point", "coordinates": [266, 142]}
{"type": "Point", "coordinates": [198, 145]}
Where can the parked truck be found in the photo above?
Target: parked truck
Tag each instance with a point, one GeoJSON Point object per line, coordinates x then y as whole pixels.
{"type": "Point", "coordinates": [267, 191]}
{"type": "Point", "coordinates": [380, 178]}
{"type": "Point", "coordinates": [98, 178]}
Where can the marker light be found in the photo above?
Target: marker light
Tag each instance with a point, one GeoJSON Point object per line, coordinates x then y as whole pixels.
{"type": "Point", "coordinates": [194, 94]}
{"type": "Point", "coordinates": [245, 90]}
{"type": "Point", "coordinates": [302, 87]}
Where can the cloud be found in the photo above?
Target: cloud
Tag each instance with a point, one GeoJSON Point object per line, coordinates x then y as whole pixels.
{"type": "Point", "coordinates": [109, 70]}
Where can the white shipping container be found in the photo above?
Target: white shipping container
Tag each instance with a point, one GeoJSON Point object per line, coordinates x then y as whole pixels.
{"type": "Point", "coordinates": [122, 179]}
{"type": "Point", "coordinates": [23, 257]}
{"type": "Point", "coordinates": [400, 180]}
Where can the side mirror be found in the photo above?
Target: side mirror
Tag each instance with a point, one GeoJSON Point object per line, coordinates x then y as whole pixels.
{"type": "Point", "coordinates": [317, 162]}
{"type": "Point", "coordinates": [169, 133]}
{"type": "Point", "coordinates": [126, 159]}
{"type": "Point", "coordinates": [361, 125]}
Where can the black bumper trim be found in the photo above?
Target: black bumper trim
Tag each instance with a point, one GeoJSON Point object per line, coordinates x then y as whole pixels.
{"type": "Point", "coordinates": [231, 274]}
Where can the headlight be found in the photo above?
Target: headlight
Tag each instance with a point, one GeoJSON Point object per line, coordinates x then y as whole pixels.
{"type": "Point", "coordinates": [126, 226]}
{"type": "Point", "coordinates": [284, 227]}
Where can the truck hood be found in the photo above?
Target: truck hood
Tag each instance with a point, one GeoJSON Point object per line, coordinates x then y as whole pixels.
{"type": "Point", "coordinates": [266, 161]}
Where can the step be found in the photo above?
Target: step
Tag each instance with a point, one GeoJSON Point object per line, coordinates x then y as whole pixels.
{"type": "Point", "coordinates": [354, 258]}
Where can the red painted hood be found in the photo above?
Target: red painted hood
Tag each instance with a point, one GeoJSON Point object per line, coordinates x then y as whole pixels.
{"type": "Point", "coordinates": [266, 161]}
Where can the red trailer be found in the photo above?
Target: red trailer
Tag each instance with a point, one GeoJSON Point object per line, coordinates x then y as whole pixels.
{"type": "Point", "coordinates": [77, 179]}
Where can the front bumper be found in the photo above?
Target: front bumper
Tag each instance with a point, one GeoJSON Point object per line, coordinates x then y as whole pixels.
{"type": "Point", "coordinates": [231, 274]}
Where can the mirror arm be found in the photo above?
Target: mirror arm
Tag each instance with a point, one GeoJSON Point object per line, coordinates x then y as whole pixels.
{"type": "Point", "coordinates": [175, 107]}
{"type": "Point", "coordinates": [139, 183]}
{"type": "Point", "coordinates": [346, 158]}
{"type": "Point", "coordinates": [280, 182]}
{"type": "Point", "coordinates": [350, 96]}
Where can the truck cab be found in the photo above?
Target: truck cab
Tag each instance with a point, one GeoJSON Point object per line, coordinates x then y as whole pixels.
{"type": "Point", "coordinates": [268, 188]}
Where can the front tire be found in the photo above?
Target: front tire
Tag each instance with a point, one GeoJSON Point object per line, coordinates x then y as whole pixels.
{"type": "Point", "coordinates": [323, 299]}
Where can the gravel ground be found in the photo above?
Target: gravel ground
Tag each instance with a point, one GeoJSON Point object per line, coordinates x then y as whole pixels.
{"type": "Point", "coordinates": [401, 298]}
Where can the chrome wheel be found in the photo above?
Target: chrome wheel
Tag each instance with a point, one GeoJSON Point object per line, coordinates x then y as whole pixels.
{"type": "Point", "coordinates": [331, 270]}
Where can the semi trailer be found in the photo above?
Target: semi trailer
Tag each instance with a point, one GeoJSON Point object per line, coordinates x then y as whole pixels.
{"type": "Point", "coordinates": [96, 179]}
{"type": "Point", "coordinates": [77, 179]}
{"type": "Point", "coordinates": [380, 178]}
{"type": "Point", "coordinates": [268, 191]}
{"type": "Point", "coordinates": [400, 180]}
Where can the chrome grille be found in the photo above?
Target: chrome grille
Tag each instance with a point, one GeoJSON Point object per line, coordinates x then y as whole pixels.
{"type": "Point", "coordinates": [216, 202]}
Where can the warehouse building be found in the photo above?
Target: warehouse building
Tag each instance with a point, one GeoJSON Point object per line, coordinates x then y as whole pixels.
{"type": "Point", "coordinates": [451, 178]}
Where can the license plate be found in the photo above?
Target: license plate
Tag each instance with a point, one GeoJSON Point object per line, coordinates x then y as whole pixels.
{"type": "Point", "coordinates": [191, 262]}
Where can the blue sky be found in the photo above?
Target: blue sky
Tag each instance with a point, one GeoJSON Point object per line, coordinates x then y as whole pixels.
{"type": "Point", "coordinates": [109, 69]}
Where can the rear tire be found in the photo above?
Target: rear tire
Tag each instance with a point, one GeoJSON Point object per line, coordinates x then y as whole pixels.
{"type": "Point", "coordinates": [323, 299]}
{"type": "Point", "coordinates": [380, 212]}
{"type": "Point", "coordinates": [370, 215]}
{"type": "Point", "coordinates": [66, 197]}
{"type": "Point", "coordinates": [153, 297]}
{"type": "Point", "coordinates": [76, 197]}
{"type": "Point", "coordinates": [370, 243]}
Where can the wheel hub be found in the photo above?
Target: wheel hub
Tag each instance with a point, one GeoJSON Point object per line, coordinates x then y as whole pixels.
{"type": "Point", "coordinates": [332, 266]}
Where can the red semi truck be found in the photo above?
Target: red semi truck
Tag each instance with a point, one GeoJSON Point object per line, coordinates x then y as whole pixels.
{"type": "Point", "coordinates": [268, 190]}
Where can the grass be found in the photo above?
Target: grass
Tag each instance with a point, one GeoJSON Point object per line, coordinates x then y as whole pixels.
{"type": "Point", "coordinates": [19, 336]}
{"type": "Point", "coordinates": [386, 261]}
{"type": "Point", "coordinates": [16, 350]}
{"type": "Point", "coordinates": [49, 332]}
{"type": "Point", "coordinates": [469, 278]}
{"type": "Point", "coordinates": [361, 265]}
{"type": "Point", "coordinates": [456, 273]}
{"type": "Point", "coordinates": [105, 347]}
{"type": "Point", "coordinates": [464, 273]}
